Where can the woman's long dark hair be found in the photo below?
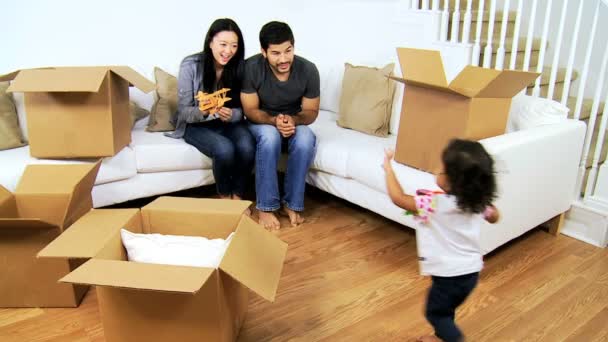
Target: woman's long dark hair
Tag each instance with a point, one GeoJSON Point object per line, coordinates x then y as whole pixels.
{"type": "Point", "coordinates": [470, 171]}
{"type": "Point", "coordinates": [231, 77]}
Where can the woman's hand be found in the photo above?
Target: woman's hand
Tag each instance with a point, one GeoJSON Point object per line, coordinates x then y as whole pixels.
{"type": "Point", "coordinates": [225, 114]}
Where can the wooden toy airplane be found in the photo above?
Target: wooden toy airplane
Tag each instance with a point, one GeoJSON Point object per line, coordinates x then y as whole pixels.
{"type": "Point", "coordinates": [212, 102]}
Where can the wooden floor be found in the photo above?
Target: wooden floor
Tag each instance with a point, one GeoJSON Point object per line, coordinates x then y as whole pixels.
{"type": "Point", "coordinates": [352, 275]}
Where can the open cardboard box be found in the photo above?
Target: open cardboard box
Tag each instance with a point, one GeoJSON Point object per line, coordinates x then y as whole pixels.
{"type": "Point", "coordinates": [77, 112]}
{"type": "Point", "coordinates": [475, 105]}
{"type": "Point", "coordinates": [152, 302]}
{"type": "Point", "coordinates": [48, 199]}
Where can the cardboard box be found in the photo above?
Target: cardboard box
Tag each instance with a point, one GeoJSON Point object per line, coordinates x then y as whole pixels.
{"type": "Point", "coordinates": [48, 199]}
{"type": "Point", "coordinates": [475, 105]}
{"type": "Point", "coordinates": [151, 302]}
{"type": "Point", "coordinates": [77, 112]}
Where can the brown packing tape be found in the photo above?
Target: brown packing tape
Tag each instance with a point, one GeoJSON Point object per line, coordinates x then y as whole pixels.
{"type": "Point", "coordinates": [255, 258]}
{"type": "Point", "coordinates": [140, 276]}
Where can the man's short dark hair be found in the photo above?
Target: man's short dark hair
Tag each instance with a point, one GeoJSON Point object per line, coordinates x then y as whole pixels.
{"type": "Point", "coordinates": [275, 32]}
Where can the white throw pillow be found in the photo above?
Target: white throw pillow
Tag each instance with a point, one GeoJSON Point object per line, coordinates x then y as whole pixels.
{"type": "Point", "coordinates": [529, 111]}
{"type": "Point", "coordinates": [174, 249]}
{"type": "Point", "coordinates": [331, 76]}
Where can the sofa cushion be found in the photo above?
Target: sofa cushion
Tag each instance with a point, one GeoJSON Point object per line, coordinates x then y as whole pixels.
{"type": "Point", "coordinates": [155, 152]}
{"type": "Point", "coordinates": [119, 167]}
{"type": "Point", "coordinates": [166, 102]}
{"type": "Point", "coordinates": [367, 98]}
{"type": "Point", "coordinates": [10, 133]}
{"type": "Point", "coordinates": [353, 155]}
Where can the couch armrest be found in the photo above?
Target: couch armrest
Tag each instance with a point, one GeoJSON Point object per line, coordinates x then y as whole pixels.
{"type": "Point", "coordinates": [537, 171]}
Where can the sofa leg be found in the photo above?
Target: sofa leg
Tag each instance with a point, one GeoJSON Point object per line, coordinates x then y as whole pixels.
{"type": "Point", "coordinates": [555, 224]}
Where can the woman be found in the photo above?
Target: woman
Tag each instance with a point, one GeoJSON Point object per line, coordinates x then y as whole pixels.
{"type": "Point", "coordinates": [221, 136]}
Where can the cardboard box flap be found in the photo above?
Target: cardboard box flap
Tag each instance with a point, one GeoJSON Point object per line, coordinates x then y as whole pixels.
{"type": "Point", "coordinates": [30, 224]}
{"type": "Point", "coordinates": [68, 79]}
{"type": "Point", "coordinates": [10, 76]}
{"type": "Point", "coordinates": [140, 276]}
{"type": "Point", "coordinates": [81, 200]}
{"type": "Point", "coordinates": [255, 258]}
{"type": "Point", "coordinates": [55, 178]}
{"type": "Point", "coordinates": [422, 66]}
{"type": "Point", "coordinates": [508, 83]}
{"type": "Point", "coordinates": [472, 80]}
{"type": "Point", "coordinates": [201, 204]}
{"type": "Point", "coordinates": [8, 206]}
{"type": "Point", "coordinates": [134, 78]}
{"type": "Point", "coordinates": [424, 85]}
{"type": "Point", "coordinates": [87, 236]}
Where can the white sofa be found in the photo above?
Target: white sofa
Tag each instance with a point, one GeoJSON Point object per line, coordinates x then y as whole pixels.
{"type": "Point", "coordinates": [536, 168]}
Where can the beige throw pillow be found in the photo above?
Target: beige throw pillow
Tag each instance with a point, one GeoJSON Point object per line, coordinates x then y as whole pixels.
{"type": "Point", "coordinates": [367, 99]}
{"type": "Point", "coordinates": [166, 102]}
{"type": "Point", "coordinates": [10, 134]}
{"type": "Point", "coordinates": [136, 112]}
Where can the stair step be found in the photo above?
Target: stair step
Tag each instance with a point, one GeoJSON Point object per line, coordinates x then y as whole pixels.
{"type": "Point", "coordinates": [585, 109]}
{"type": "Point", "coordinates": [486, 16]}
{"type": "Point", "coordinates": [560, 77]}
{"type": "Point", "coordinates": [484, 28]}
{"type": "Point", "coordinates": [521, 44]}
{"type": "Point", "coordinates": [463, 3]}
{"type": "Point", "coordinates": [519, 60]}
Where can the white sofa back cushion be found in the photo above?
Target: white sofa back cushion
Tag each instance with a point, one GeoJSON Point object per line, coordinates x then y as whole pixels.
{"type": "Point", "coordinates": [174, 249]}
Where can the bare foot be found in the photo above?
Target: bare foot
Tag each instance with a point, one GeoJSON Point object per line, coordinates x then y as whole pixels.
{"type": "Point", "coordinates": [268, 219]}
{"type": "Point", "coordinates": [428, 338]}
{"type": "Point", "coordinates": [294, 216]}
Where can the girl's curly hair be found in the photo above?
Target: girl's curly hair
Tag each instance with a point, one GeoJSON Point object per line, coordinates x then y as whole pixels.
{"type": "Point", "coordinates": [470, 171]}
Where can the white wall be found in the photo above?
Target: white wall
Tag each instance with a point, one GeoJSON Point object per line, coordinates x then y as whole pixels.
{"type": "Point", "coordinates": [144, 34]}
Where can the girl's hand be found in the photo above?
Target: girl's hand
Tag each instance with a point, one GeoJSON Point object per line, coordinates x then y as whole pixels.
{"type": "Point", "coordinates": [225, 114]}
{"type": "Point", "coordinates": [389, 153]}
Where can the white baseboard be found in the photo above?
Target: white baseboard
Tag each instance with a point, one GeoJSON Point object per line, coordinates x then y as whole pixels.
{"type": "Point", "coordinates": [587, 224]}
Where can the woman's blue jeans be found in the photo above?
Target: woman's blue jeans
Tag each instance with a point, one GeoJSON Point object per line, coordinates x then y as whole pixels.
{"type": "Point", "coordinates": [231, 147]}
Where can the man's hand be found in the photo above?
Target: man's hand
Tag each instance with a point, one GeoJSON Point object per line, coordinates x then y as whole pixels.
{"type": "Point", "coordinates": [285, 125]}
{"type": "Point", "coordinates": [225, 114]}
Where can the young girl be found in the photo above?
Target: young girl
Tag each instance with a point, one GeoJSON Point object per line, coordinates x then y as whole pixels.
{"type": "Point", "coordinates": [448, 234]}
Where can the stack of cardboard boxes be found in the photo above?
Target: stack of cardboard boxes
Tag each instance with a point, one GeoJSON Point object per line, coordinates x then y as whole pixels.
{"type": "Point", "coordinates": [82, 112]}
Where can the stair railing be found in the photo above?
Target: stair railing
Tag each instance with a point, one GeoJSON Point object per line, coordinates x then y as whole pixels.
{"type": "Point", "coordinates": [527, 19]}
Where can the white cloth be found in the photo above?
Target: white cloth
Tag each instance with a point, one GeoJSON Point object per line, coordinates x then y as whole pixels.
{"type": "Point", "coordinates": [174, 250]}
{"type": "Point", "coordinates": [448, 242]}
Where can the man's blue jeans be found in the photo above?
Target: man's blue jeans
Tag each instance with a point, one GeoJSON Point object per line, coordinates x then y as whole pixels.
{"type": "Point", "coordinates": [300, 147]}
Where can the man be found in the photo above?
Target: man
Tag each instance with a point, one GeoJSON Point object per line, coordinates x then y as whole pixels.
{"type": "Point", "coordinates": [280, 98]}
